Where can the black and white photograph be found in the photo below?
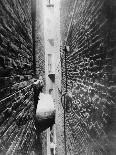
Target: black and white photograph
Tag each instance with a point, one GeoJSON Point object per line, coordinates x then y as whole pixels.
{"type": "Point", "coordinates": [57, 77]}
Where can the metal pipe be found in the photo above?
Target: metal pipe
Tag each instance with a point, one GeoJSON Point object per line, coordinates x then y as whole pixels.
{"type": "Point", "coordinates": [65, 101]}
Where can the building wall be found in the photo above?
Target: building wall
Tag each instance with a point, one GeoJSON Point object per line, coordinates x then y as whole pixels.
{"type": "Point", "coordinates": [39, 42]}
{"type": "Point", "coordinates": [49, 50]}
{"type": "Point", "coordinates": [40, 63]}
{"type": "Point", "coordinates": [17, 122]}
{"type": "Point", "coordinates": [59, 108]}
{"type": "Point", "coordinates": [90, 62]}
{"type": "Point", "coordinates": [53, 79]}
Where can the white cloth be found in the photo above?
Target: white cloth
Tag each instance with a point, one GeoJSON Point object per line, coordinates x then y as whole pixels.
{"type": "Point", "coordinates": [45, 106]}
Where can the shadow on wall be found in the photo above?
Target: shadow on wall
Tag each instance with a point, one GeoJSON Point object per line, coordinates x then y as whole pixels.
{"type": "Point", "coordinates": [91, 68]}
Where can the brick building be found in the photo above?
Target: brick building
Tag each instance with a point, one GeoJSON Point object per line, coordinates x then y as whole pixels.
{"type": "Point", "coordinates": [21, 60]}
{"type": "Point", "coordinates": [71, 44]}
{"type": "Point", "coordinates": [52, 57]}
{"type": "Point", "coordinates": [88, 39]}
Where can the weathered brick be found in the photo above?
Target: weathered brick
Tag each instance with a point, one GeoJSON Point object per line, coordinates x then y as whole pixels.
{"type": "Point", "coordinates": [16, 73]}
{"type": "Point", "coordinates": [90, 73]}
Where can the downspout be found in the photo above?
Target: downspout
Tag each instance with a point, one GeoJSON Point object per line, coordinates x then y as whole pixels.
{"type": "Point", "coordinates": [65, 101]}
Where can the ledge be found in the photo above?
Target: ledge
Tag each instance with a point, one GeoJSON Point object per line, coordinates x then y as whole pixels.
{"type": "Point", "coordinates": [50, 5]}
{"type": "Point", "coordinates": [52, 76]}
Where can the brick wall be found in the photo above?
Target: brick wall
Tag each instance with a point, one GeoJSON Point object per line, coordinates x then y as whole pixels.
{"type": "Point", "coordinates": [90, 118]}
{"type": "Point", "coordinates": [40, 62]}
{"type": "Point", "coordinates": [59, 118]}
{"type": "Point", "coordinates": [39, 42]}
{"type": "Point", "coordinates": [17, 128]}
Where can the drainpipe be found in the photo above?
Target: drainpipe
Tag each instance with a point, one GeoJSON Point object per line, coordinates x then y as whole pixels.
{"type": "Point", "coordinates": [65, 50]}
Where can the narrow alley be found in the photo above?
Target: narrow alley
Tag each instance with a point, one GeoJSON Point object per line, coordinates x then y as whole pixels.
{"type": "Point", "coordinates": [57, 77]}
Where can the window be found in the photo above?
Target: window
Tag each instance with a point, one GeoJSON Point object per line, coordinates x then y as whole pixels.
{"type": "Point", "coordinates": [53, 140]}
{"type": "Point", "coordinates": [50, 3]}
{"type": "Point", "coordinates": [51, 67]}
{"type": "Point", "coordinates": [49, 63]}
